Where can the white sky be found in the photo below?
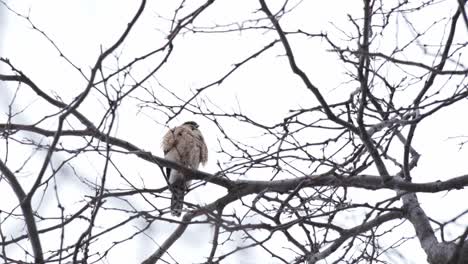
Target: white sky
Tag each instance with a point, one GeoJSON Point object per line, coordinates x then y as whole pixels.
{"type": "Point", "coordinates": [80, 28]}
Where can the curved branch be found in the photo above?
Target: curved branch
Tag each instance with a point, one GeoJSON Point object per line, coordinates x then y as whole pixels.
{"type": "Point", "coordinates": [348, 233]}
{"type": "Point", "coordinates": [27, 212]}
{"type": "Point", "coordinates": [427, 86]}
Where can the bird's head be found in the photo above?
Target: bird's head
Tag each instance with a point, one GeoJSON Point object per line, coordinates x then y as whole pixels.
{"type": "Point", "coordinates": [191, 124]}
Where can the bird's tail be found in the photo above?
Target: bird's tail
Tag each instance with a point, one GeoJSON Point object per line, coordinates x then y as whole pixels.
{"type": "Point", "coordinates": [177, 200]}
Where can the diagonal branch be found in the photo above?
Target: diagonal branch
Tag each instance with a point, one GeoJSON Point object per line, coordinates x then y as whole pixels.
{"type": "Point", "coordinates": [27, 212]}
{"type": "Point", "coordinates": [216, 205]}
{"type": "Point", "coordinates": [305, 79]}
{"type": "Point", "coordinates": [80, 99]}
{"type": "Point", "coordinates": [427, 86]}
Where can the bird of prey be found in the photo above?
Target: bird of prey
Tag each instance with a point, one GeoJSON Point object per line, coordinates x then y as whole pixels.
{"type": "Point", "coordinates": [185, 145]}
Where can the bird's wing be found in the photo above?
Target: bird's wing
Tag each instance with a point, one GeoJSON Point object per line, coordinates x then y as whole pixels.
{"type": "Point", "coordinates": [169, 141]}
{"type": "Point", "coordinates": [169, 146]}
{"type": "Point", "coordinates": [202, 146]}
{"type": "Point", "coordinates": [203, 152]}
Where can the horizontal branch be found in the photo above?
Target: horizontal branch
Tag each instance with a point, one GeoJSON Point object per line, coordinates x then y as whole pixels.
{"type": "Point", "coordinates": [433, 69]}
{"type": "Point", "coordinates": [361, 181]}
{"type": "Point", "coordinates": [332, 179]}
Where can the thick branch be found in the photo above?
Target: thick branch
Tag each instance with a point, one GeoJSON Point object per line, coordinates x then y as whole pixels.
{"type": "Point", "coordinates": [437, 253]}
{"type": "Point", "coordinates": [328, 179]}
{"type": "Point", "coordinates": [363, 75]}
{"type": "Point", "coordinates": [27, 212]}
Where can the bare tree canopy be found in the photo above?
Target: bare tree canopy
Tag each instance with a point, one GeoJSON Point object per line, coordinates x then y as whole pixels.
{"type": "Point", "coordinates": [336, 131]}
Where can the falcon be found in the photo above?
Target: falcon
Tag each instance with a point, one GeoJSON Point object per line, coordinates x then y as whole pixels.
{"type": "Point", "coordinates": [185, 145]}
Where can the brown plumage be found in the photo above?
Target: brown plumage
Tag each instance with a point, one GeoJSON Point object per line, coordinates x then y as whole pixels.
{"type": "Point", "coordinates": [185, 145]}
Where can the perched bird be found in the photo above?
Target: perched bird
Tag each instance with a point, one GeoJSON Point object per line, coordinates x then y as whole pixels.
{"type": "Point", "coordinates": [185, 145]}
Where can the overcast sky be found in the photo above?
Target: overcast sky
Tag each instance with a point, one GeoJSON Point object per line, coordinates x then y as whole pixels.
{"type": "Point", "coordinates": [81, 28]}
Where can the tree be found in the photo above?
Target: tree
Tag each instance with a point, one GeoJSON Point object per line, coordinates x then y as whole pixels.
{"type": "Point", "coordinates": [325, 126]}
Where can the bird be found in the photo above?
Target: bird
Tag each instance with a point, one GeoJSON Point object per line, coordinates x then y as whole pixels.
{"type": "Point", "coordinates": [185, 145]}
